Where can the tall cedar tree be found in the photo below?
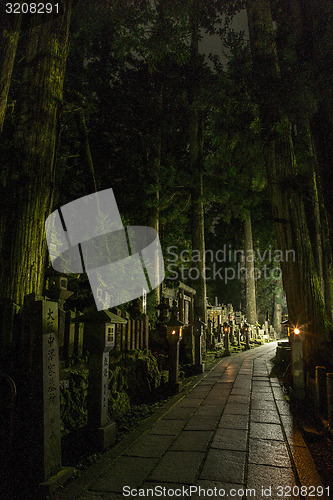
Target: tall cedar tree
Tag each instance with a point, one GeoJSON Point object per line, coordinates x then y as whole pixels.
{"type": "Point", "coordinates": [196, 169]}
{"type": "Point", "coordinates": [300, 278]}
{"type": "Point", "coordinates": [27, 192]}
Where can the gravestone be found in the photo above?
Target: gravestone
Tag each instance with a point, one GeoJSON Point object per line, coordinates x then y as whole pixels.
{"type": "Point", "coordinates": [99, 339]}
{"type": "Point", "coordinates": [40, 333]}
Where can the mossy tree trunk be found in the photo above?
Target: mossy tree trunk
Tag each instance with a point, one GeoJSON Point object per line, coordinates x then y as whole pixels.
{"type": "Point", "coordinates": [8, 45]}
{"type": "Point", "coordinates": [300, 278]}
{"type": "Point", "coordinates": [28, 191]}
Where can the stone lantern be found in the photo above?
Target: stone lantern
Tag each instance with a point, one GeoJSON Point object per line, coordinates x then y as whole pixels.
{"type": "Point", "coordinates": [226, 339]}
{"type": "Point", "coordinates": [174, 336]}
{"type": "Point", "coordinates": [99, 339]}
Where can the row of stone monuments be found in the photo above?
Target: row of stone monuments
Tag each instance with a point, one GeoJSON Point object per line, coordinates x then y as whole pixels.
{"type": "Point", "coordinates": [37, 422]}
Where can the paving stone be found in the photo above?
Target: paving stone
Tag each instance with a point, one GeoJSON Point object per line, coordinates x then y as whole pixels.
{"type": "Point", "coordinates": [261, 404]}
{"type": "Point", "coordinates": [127, 471]}
{"type": "Point", "coordinates": [220, 391]}
{"type": "Point", "coordinates": [239, 392]}
{"type": "Point", "coordinates": [234, 421]}
{"type": "Point", "coordinates": [213, 401]}
{"type": "Point", "coordinates": [170, 427]}
{"type": "Point", "coordinates": [192, 441]}
{"type": "Point", "coordinates": [237, 399]}
{"type": "Point", "coordinates": [230, 439]}
{"type": "Point", "coordinates": [189, 401]}
{"type": "Point", "coordinates": [266, 431]}
{"type": "Point", "coordinates": [268, 452]}
{"type": "Point", "coordinates": [202, 423]}
{"type": "Point", "coordinates": [262, 396]}
{"type": "Point", "coordinates": [178, 466]}
{"type": "Point", "coordinates": [209, 411]}
{"type": "Point", "coordinates": [283, 407]}
{"type": "Point", "coordinates": [265, 416]}
{"type": "Point", "coordinates": [179, 413]}
{"type": "Point", "coordinates": [224, 466]}
{"type": "Point", "coordinates": [223, 384]}
{"type": "Point", "coordinates": [263, 476]}
{"type": "Point", "coordinates": [261, 389]}
{"type": "Point", "coordinates": [150, 445]}
{"type": "Point", "coordinates": [228, 379]}
{"type": "Point", "coordinates": [236, 409]}
{"type": "Point", "coordinates": [222, 490]}
{"type": "Point", "coordinates": [293, 434]}
{"type": "Point", "coordinates": [199, 391]}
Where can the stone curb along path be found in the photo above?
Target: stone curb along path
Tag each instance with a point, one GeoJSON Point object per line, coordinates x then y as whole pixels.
{"type": "Point", "coordinates": [231, 436]}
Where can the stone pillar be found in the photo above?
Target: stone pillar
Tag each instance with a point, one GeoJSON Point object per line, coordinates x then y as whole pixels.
{"type": "Point", "coordinates": [181, 306]}
{"type": "Point", "coordinates": [41, 419]}
{"type": "Point", "coordinates": [247, 339]}
{"type": "Point", "coordinates": [238, 334]}
{"type": "Point", "coordinates": [329, 383]}
{"type": "Point", "coordinates": [187, 346]}
{"type": "Point", "coordinates": [78, 338]}
{"type": "Point", "coordinates": [69, 335]}
{"type": "Point", "coordinates": [191, 310]}
{"type": "Point", "coordinates": [198, 332]}
{"type": "Point", "coordinates": [102, 430]}
{"type": "Point", "coordinates": [226, 343]}
{"type": "Point", "coordinates": [133, 334]}
{"type": "Point", "coordinates": [174, 384]}
{"type": "Point", "coordinates": [321, 391]}
{"type": "Point", "coordinates": [298, 367]}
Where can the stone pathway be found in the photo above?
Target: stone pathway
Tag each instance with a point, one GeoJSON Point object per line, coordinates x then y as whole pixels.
{"type": "Point", "coordinates": [231, 436]}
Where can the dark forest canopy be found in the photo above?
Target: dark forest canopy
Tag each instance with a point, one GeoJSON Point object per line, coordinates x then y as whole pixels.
{"type": "Point", "coordinates": [120, 94]}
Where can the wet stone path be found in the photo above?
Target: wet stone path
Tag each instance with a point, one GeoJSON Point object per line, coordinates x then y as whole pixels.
{"type": "Point", "coordinates": [231, 436]}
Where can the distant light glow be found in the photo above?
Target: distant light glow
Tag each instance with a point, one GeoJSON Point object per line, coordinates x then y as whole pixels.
{"type": "Point", "coordinates": [296, 331]}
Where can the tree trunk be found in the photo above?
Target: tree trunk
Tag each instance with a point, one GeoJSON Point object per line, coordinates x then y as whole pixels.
{"type": "Point", "coordinates": [251, 307]}
{"type": "Point", "coordinates": [327, 267]}
{"type": "Point", "coordinates": [313, 24]}
{"type": "Point", "coordinates": [8, 45]}
{"type": "Point", "coordinates": [300, 278]}
{"type": "Point", "coordinates": [277, 315]}
{"type": "Point", "coordinates": [322, 130]}
{"type": "Point", "coordinates": [85, 152]}
{"type": "Point", "coordinates": [27, 198]}
{"type": "Point", "coordinates": [154, 211]}
{"type": "Point", "coordinates": [195, 167]}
